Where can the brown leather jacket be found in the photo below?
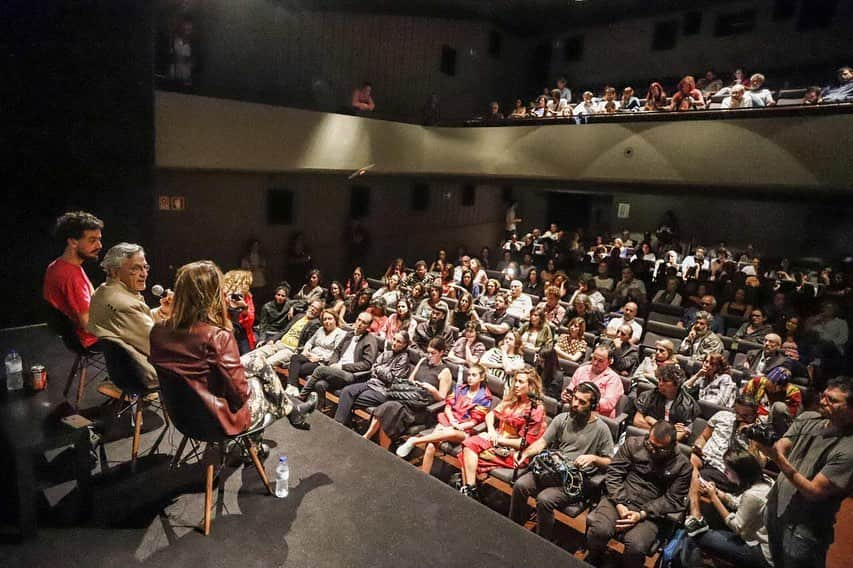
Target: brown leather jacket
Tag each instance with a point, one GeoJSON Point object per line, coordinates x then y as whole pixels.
{"type": "Point", "coordinates": [207, 358]}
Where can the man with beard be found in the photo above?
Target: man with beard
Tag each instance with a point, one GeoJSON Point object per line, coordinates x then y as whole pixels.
{"type": "Point", "coordinates": [66, 286]}
{"type": "Point", "coordinates": [815, 460]}
{"type": "Point", "coordinates": [582, 439]}
{"type": "Point", "coordinates": [701, 340]}
{"type": "Point", "coordinates": [498, 322]}
{"type": "Point", "coordinates": [435, 327]}
{"type": "Point", "coordinates": [647, 480]}
{"type": "Point", "coordinates": [760, 361]}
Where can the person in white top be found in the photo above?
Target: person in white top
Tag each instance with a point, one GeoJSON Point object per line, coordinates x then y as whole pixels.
{"type": "Point", "coordinates": [737, 98]}
{"type": "Point", "coordinates": [520, 303]}
{"type": "Point", "coordinates": [629, 312]}
{"type": "Point", "coordinates": [761, 97]}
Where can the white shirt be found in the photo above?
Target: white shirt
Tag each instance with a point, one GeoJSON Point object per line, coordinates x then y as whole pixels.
{"type": "Point", "coordinates": [348, 356]}
{"type": "Point", "coordinates": [520, 307]}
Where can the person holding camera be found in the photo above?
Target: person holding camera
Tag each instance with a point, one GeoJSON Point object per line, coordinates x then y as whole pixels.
{"type": "Point", "coordinates": [647, 481]}
{"type": "Point", "coordinates": [582, 439]}
{"type": "Point", "coordinates": [724, 432]}
{"type": "Point", "coordinates": [241, 307]}
{"type": "Point", "coordinates": [815, 460]}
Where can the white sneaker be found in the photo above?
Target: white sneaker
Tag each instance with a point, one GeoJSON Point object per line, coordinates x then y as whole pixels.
{"type": "Point", "coordinates": [406, 448]}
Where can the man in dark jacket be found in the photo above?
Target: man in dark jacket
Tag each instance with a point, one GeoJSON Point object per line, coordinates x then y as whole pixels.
{"type": "Point", "coordinates": [436, 326]}
{"type": "Point", "coordinates": [625, 355]}
{"type": "Point", "coordinates": [356, 352]}
{"type": "Point", "coordinates": [760, 361]}
{"type": "Point", "coordinates": [646, 482]}
{"type": "Point", "coordinates": [667, 402]}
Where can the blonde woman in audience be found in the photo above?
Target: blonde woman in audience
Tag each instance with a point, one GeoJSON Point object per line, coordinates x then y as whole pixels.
{"type": "Point", "coordinates": [391, 292]}
{"type": "Point", "coordinates": [504, 359]}
{"type": "Point", "coordinates": [572, 346]}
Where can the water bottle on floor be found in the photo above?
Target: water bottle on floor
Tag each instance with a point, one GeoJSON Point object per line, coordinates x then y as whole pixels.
{"type": "Point", "coordinates": [14, 371]}
{"type": "Point", "coordinates": [282, 477]}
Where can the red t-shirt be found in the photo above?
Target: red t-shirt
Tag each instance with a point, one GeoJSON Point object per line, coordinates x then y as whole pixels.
{"type": "Point", "coordinates": [69, 290]}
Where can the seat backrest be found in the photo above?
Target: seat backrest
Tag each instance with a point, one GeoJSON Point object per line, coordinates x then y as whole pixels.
{"type": "Point", "coordinates": [667, 309]}
{"type": "Point", "coordinates": [708, 409]}
{"type": "Point", "coordinates": [186, 409]}
{"type": "Point", "coordinates": [663, 318]}
{"type": "Point", "coordinates": [125, 371]}
{"type": "Point", "coordinates": [64, 328]}
{"type": "Point", "coordinates": [496, 387]}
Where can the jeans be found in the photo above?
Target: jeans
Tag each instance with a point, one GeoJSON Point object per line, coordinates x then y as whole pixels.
{"type": "Point", "coordinates": [548, 500]}
{"type": "Point", "coordinates": [793, 544]}
{"type": "Point", "coordinates": [727, 546]}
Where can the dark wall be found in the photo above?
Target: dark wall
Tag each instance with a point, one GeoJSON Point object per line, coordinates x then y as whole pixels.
{"type": "Point", "coordinates": [79, 131]}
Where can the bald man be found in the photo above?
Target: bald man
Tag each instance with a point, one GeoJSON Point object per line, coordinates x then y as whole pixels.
{"type": "Point", "coordinates": [759, 361]}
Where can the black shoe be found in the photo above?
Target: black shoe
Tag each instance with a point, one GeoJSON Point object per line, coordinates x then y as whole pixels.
{"type": "Point", "coordinates": [300, 410]}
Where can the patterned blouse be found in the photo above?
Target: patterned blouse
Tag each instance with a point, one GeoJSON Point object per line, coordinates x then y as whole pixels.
{"type": "Point", "coordinates": [571, 346]}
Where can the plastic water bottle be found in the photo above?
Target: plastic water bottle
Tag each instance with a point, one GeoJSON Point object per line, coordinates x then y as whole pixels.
{"type": "Point", "coordinates": [282, 477]}
{"type": "Point", "coordinates": [14, 371]}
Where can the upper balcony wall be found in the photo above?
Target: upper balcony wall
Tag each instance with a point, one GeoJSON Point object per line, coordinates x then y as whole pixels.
{"type": "Point", "coordinates": [788, 151]}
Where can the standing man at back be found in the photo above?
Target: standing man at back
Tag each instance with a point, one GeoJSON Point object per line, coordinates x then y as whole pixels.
{"type": "Point", "coordinates": [66, 286]}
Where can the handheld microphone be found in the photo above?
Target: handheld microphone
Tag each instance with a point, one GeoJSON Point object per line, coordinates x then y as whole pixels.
{"type": "Point", "coordinates": [158, 290]}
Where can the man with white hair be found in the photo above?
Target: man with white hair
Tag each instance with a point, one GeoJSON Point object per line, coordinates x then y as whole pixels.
{"type": "Point", "coordinates": [119, 312]}
{"type": "Point", "coordinates": [520, 304]}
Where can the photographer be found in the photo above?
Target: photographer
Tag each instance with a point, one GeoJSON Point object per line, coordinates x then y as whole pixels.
{"type": "Point", "coordinates": [581, 439]}
{"type": "Point", "coordinates": [815, 458]}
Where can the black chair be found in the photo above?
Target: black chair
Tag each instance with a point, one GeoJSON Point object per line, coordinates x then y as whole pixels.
{"type": "Point", "coordinates": [192, 419]}
{"type": "Point", "coordinates": [83, 357]}
{"type": "Point", "coordinates": [129, 376]}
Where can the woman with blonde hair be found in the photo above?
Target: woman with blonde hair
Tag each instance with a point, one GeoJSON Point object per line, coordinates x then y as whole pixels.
{"type": "Point", "coordinates": [241, 306]}
{"type": "Point", "coordinates": [196, 345]}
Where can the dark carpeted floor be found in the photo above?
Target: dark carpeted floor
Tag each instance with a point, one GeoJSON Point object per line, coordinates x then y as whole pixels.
{"type": "Point", "coordinates": [351, 504]}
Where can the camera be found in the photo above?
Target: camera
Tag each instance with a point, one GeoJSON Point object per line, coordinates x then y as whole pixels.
{"type": "Point", "coordinates": [764, 434]}
{"type": "Point", "coordinates": [236, 297]}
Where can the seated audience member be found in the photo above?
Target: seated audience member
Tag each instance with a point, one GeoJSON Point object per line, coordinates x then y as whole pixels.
{"type": "Point", "coordinates": [629, 101]}
{"type": "Point", "coordinates": [572, 345]}
{"type": "Point", "coordinates": [241, 307]}
{"type": "Point", "coordinates": [312, 289]}
{"type": "Point", "coordinates": [843, 91]}
{"type": "Point", "coordinates": [700, 340]}
{"type": "Point", "coordinates": [711, 85]}
{"type": "Point", "coordinates": [519, 110]}
{"type": "Point", "coordinates": [536, 334]}
{"type": "Point", "coordinates": [712, 383]}
{"type": "Point", "coordinates": [558, 106]}
{"type": "Point", "coordinates": [487, 298]}
{"type": "Point", "coordinates": [693, 265]}
{"type": "Point", "coordinates": [582, 308]}
{"type": "Point", "coordinates": [391, 292]}
{"type": "Point", "coordinates": [468, 348]}
{"type": "Point", "coordinates": [274, 315]}
{"type": "Point", "coordinates": [724, 432]}
{"type": "Point", "coordinates": [655, 98]}
{"type": "Point", "coordinates": [440, 259]}
{"type": "Point", "coordinates": [462, 266]}
{"type": "Point", "coordinates": [586, 107]}
{"type": "Point", "coordinates": [336, 301]}
{"type": "Point", "coordinates": [629, 313]}
{"type": "Point", "coordinates": [354, 353]}
{"type": "Point", "coordinates": [532, 283]}
{"type": "Point", "coordinates": [356, 283]}
{"type": "Point", "coordinates": [598, 372]}
{"type": "Point", "coordinates": [356, 305]}
{"type": "Point", "coordinates": [400, 320]}
{"type": "Point", "coordinates": [318, 350]}
{"type": "Point", "coordinates": [815, 464]}
{"type": "Point", "coordinates": [829, 327]}
{"type": "Point", "coordinates": [464, 410]}
{"type": "Point", "coordinates": [504, 359]}
{"type": "Point", "coordinates": [669, 294]}
{"type": "Point", "coordinates": [812, 96]}
{"type": "Point", "coordinates": [624, 355]}
{"type": "Point", "coordinates": [609, 97]}
{"type": "Point", "coordinates": [540, 109]}
{"type": "Point", "coordinates": [464, 312]}
{"type": "Point", "coordinates": [646, 480]}
{"type": "Point", "coordinates": [603, 280]}
{"type": "Point", "coordinates": [551, 308]}
{"type": "Point", "coordinates": [498, 322]}
{"type": "Point", "coordinates": [664, 354]}
{"type": "Point", "coordinates": [739, 78]}
{"type": "Point", "coordinates": [420, 275]}
{"type": "Point", "coordinates": [392, 418]}
{"type": "Point", "coordinates": [118, 311]}
{"type": "Point", "coordinates": [466, 286]}
{"type": "Point", "coordinates": [737, 306]}
{"type": "Point", "coordinates": [520, 423]}
{"type": "Point", "coordinates": [756, 328]}
{"type": "Point", "coordinates": [197, 346]}
{"type": "Point", "coordinates": [667, 402]}
{"type": "Point", "coordinates": [520, 303]}
{"type": "Point", "coordinates": [494, 111]}
{"type": "Point", "coordinates": [300, 330]}
{"type": "Point", "coordinates": [66, 287]}
{"type": "Point", "coordinates": [362, 99]}
{"type": "Point", "coordinates": [436, 326]}
{"type": "Point", "coordinates": [589, 288]}
{"type": "Point", "coordinates": [778, 400]}
{"type": "Point", "coordinates": [479, 274]}
{"type": "Point", "coordinates": [759, 361]}
{"type": "Point", "coordinates": [582, 439]}
{"type": "Point", "coordinates": [426, 306]}
{"type": "Point", "coordinates": [688, 97]}
{"type": "Point", "coordinates": [565, 92]}
{"type": "Point", "coordinates": [376, 309]}
{"type": "Point", "coordinates": [761, 97]}
{"type": "Point", "coordinates": [628, 284]}
{"type": "Point", "coordinates": [738, 99]}
{"type": "Point", "coordinates": [391, 365]}
{"type": "Point", "coordinates": [745, 543]}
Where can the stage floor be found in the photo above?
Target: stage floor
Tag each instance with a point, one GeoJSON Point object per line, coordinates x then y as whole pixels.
{"type": "Point", "coordinates": [351, 504]}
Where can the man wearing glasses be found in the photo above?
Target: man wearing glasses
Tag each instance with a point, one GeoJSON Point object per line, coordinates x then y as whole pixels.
{"type": "Point", "coordinates": [118, 311]}
{"type": "Point", "coordinates": [646, 481]}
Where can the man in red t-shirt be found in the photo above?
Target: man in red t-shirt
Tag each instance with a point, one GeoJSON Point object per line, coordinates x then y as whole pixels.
{"type": "Point", "coordinates": [66, 286]}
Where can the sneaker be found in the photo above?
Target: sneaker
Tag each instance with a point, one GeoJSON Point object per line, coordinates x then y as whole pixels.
{"type": "Point", "coordinates": [406, 447]}
{"type": "Point", "coordinates": [695, 526]}
{"type": "Point", "coordinates": [470, 491]}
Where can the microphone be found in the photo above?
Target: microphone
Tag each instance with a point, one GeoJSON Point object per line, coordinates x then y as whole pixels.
{"type": "Point", "coordinates": [158, 290]}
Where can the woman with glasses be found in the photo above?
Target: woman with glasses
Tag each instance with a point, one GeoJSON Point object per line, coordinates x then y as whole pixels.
{"type": "Point", "coordinates": [756, 328]}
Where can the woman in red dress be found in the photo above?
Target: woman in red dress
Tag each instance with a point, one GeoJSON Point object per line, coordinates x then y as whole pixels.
{"type": "Point", "coordinates": [521, 422]}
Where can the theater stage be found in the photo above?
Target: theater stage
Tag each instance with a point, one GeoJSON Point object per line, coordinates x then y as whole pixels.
{"type": "Point", "coordinates": [351, 504]}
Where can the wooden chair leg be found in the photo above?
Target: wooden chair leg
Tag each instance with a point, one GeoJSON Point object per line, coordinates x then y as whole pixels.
{"type": "Point", "coordinates": [253, 451]}
{"type": "Point", "coordinates": [137, 430]}
{"type": "Point", "coordinates": [71, 375]}
{"type": "Point", "coordinates": [84, 367]}
{"type": "Point", "coordinates": [208, 497]}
